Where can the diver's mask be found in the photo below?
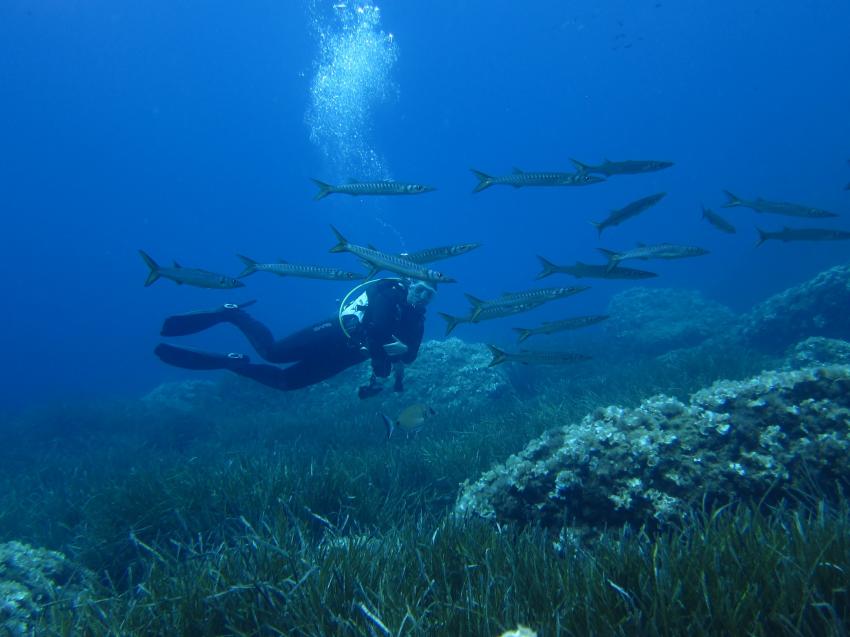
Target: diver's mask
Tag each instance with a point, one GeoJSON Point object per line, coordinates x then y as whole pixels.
{"type": "Point", "coordinates": [420, 293]}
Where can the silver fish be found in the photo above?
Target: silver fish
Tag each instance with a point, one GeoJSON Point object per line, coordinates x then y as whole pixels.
{"type": "Point", "coordinates": [429, 255]}
{"type": "Point", "coordinates": [803, 234]}
{"type": "Point", "coordinates": [378, 261]}
{"type": "Point", "coordinates": [535, 358]}
{"type": "Point", "coordinates": [508, 299]}
{"type": "Point", "coordinates": [592, 271]}
{"type": "Point", "coordinates": [717, 221]}
{"type": "Point", "coordinates": [519, 178]}
{"type": "Point", "coordinates": [632, 210]}
{"type": "Point", "coordinates": [189, 276]}
{"type": "Point", "coordinates": [777, 207]}
{"type": "Point", "coordinates": [658, 251]}
{"type": "Point", "coordinates": [550, 327]}
{"type": "Point", "coordinates": [626, 167]}
{"type": "Point", "coordinates": [487, 314]}
{"type": "Point", "coordinates": [361, 188]}
{"type": "Point", "coordinates": [283, 268]}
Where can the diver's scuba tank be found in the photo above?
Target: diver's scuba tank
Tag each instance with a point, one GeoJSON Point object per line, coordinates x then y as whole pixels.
{"type": "Point", "coordinates": [353, 307]}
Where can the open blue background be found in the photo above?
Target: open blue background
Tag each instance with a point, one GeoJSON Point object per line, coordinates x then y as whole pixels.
{"type": "Point", "coordinates": [178, 127]}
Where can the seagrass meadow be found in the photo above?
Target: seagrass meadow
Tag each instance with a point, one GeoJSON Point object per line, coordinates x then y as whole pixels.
{"type": "Point", "coordinates": [292, 517]}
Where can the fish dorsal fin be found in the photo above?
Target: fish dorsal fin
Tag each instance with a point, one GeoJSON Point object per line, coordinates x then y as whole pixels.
{"type": "Point", "coordinates": [580, 264]}
{"type": "Point", "coordinates": [371, 247]}
{"type": "Point", "coordinates": [351, 180]}
{"type": "Point", "coordinates": [641, 244]}
{"type": "Point", "coordinates": [607, 161]}
{"type": "Point", "coordinates": [282, 260]}
{"type": "Point", "coordinates": [177, 265]}
{"type": "Point", "coordinates": [518, 171]}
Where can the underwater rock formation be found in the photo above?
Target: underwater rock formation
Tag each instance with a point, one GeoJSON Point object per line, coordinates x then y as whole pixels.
{"type": "Point", "coordinates": [650, 464]}
{"type": "Point", "coordinates": [449, 373]}
{"type": "Point", "coordinates": [32, 578]}
{"type": "Point", "coordinates": [818, 351]}
{"type": "Point", "coordinates": [818, 307]}
{"type": "Point", "coordinates": [656, 320]}
{"type": "Point", "coordinates": [182, 396]}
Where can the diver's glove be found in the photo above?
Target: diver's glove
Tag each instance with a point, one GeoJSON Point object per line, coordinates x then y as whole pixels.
{"type": "Point", "coordinates": [395, 348]}
{"type": "Point", "coordinates": [374, 388]}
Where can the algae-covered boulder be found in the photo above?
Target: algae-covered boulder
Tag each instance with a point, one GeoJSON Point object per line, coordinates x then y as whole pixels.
{"type": "Point", "coordinates": [33, 579]}
{"type": "Point", "coordinates": [657, 320]}
{"type": "Point", "coordinates": [649, 464]}
{"type": "Point", "coordinates": [818, 351]}
{"type": "Point", "coordinates": [818, 307]}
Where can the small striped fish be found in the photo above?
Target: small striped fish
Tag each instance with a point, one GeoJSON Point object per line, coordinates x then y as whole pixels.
{"type": "Point", "coordinates": [360, 188]}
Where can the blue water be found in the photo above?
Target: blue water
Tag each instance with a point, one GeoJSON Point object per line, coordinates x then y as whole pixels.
{"type": "Point", "coordinates": [191, 130]}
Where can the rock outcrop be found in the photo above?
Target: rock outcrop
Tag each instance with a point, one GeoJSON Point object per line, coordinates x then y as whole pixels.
{"type": "Point", "coordinates": [649, 464]}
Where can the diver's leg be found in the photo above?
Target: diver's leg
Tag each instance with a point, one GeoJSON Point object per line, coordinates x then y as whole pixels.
{"type": "Point", "coordinates": [188, 358]}
{"type": "Point", "coordinates": [299, 375]}
{"type": "Point", "coordinates": [194, 322]}
{"type": "Point", "coordinates": [319, 341]}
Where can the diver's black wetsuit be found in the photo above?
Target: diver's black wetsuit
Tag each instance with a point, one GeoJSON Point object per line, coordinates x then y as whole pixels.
{"type": "Point", "coordinates": [317, 352]}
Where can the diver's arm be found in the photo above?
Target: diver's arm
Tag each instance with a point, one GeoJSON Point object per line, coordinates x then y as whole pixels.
{"type": "Point", "coordinates": [412, 337]}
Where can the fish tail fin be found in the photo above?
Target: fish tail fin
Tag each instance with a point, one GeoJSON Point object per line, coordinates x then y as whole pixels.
{"type": "Point", "coordinates": [599, 227]}
{"type": "Point", "coordinates": [731, 200]}
{"type": "Point", "coordinates": [612, 256]}
{"type": "Point", "coordinates": [484, 180]}
{"type": "Point", "coordinates": [763, 236]}
{"type": "Point", "coordinates": [324, 189]}
{"type": "Point", "coordinates": [498, 355]}
{"type": "Point", "coordinates": [477, 305]}
{"type": "Point", "coordinates": [389, 424]}
{"type": "Point", "coordinates": [153, 275]}
{"type": "Point", "coordinates": [548, 267]}
{"type": "Point", "coordinates": [523, 332]}
{"type": "Point", "coordinates": [451, 321]}
{"type": "Point", "coordinates": [250, 266]}
{"type": "Point", "coordinates": [582, 168]}
{"type": "Point", "coordinates": [342, 242]}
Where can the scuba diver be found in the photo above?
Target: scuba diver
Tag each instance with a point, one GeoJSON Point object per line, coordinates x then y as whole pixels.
{"type": "Point", "coordinates": [381, 319]}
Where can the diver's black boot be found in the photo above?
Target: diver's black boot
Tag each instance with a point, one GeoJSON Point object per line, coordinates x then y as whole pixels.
{"type": "Point", "coordinates": [188, 358]}
{"type": "Point", "coordinates": [194, 322]}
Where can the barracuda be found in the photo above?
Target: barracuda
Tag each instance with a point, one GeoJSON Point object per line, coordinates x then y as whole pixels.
{"type": "Point", "coordinates": [190, 276]}
{"type": "Point", "coordinates": [362, 188]}
{"type": "Point", "coordinates": [535, 358]}
{"type": "Point", "coordinates": [591, 271]}
{"type": "Point", "coordinates": [717, 221]}
{"type": "Point", "coordinates": [550, 327]}
{"type": "Point", "coordinates": [378, 260]}
{"type": "Point", "coordinates": [519, 178]}
{"type": "Point", "coordinates": [632, 210]}
{"type": "Point", "coordinates": [626, 167]}
{"type": "Point", "coordinates": [777, 207]}
{"type": "Point", "coordinates": [541, 295]}
{"type": "Point", "coordinates": [430, 255]}
{"type": "Point", "coordinates": [284, 268]}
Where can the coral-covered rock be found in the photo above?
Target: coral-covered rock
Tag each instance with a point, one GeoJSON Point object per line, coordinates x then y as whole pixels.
{"type": "Point", "coordinates": [818, 351]}
{"type": "Point", "coordinates": [818, 307]}
{"type": "Point", "coordinates": [31, 579]}
{"type": "Point", "coordinates": [649, 464]}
